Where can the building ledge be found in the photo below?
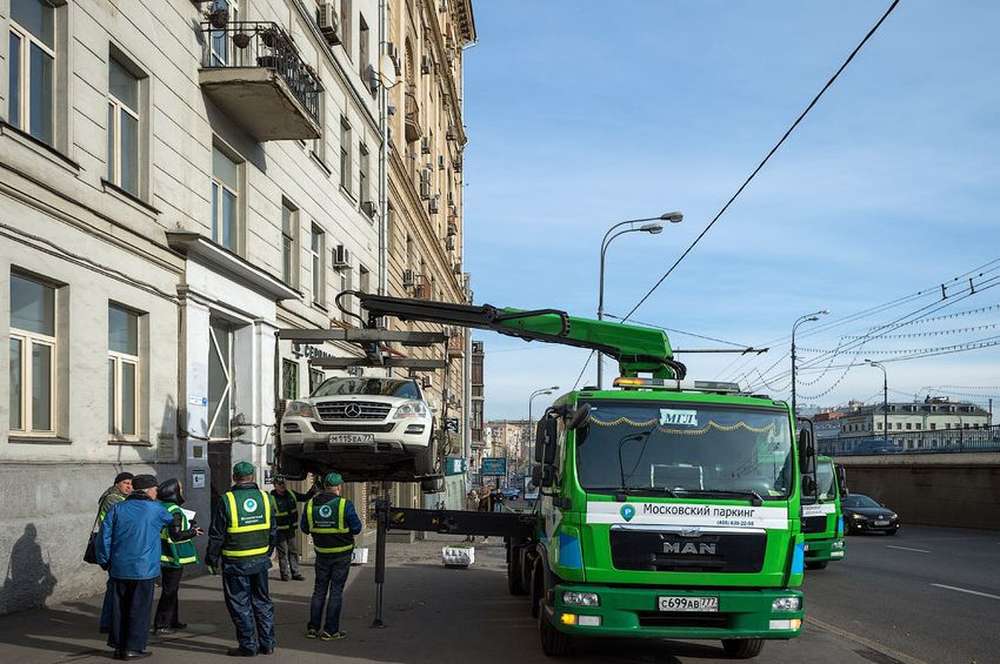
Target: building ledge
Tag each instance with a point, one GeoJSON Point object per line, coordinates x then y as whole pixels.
{"type": "Point", "coordinates": [260, 100]}
{"type": "Point", "coordinates": [194, 245]}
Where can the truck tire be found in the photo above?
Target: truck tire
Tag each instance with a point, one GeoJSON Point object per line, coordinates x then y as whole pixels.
{"type": "Point", "coordinates": [537, 589]}
{"type": "Point", "coordinates": [554, 642]}
{"type": "Point", "coordinates": [514, 585]}
{"type": "Point", "coordinates": [817, 564]}
{"type": "Point", "coordinates": [742, 648]}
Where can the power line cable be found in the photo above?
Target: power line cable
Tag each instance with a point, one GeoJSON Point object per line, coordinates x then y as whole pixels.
{"type": "Point", "coordinates": [767, 157]}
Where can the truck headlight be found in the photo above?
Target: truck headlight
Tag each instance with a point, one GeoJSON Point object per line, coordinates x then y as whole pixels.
{"type": "Point", "coordinates": [300, 409]}
{"type": "Point", "coordinates": [410, 409]}
{"type": "Point", "coordinates": [581, 599]}
{"type": "Point", "coordinates": [787, 604]}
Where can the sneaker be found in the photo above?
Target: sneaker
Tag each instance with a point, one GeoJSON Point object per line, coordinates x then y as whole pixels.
{"type": "Point", "coordinates": [312, 633]}
{"type": "Point", "coordinates": [336, 636]}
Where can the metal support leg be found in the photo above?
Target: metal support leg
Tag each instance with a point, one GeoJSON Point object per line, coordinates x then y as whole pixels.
{"type": "Point", "coordinates": [382, 527]}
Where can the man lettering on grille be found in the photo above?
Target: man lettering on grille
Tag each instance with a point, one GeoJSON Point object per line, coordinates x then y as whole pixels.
{"type": "Point", "coordinates": [286, 500]}
{"type": "Point", "coordinates": [333, 522]}
{"type": "Point", "coordinates": [242, 538]}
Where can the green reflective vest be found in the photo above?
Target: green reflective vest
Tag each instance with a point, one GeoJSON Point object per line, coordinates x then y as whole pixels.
{"type": "Point", "coordinates": [327, 524]}
{"type": "Point", "coordinates": [249, 513]}
{"type": "Point", "coordinates": [175, 554]}
{"type": "Point", "coordinates": [286, 510]}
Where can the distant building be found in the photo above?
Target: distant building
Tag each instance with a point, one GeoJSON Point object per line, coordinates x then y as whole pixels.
{"type": "Point", "coordinates": [478, 441]}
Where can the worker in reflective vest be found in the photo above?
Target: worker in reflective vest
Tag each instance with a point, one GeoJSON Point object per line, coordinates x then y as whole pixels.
{"type": "Point", "coordinates": [286, 502]}
{"type": "Point", "coordinates": [242, 538]}
{"type": "Point", "coordinates": [174, 555]}
{"type": "Point", "coordinates": [333, 522]}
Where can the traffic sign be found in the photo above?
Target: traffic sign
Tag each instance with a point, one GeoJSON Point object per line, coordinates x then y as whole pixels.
{"type": "Point", "coordinates": [494, 467]}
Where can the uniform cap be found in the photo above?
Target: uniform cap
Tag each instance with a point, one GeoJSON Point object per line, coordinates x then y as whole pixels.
{"type": "Point", "coordinates": [333, 479]}
{"type": "Point", "coordinates": [143, 482]}
{"type": "Point", "coordinates": [121, 477]}
{"type": "Point", "coordinates": [243, 469]}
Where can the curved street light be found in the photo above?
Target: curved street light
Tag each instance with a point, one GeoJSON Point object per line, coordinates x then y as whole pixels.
{"type": "Point", "coordinates": [814, 316]}
{"type": "Point", "coordinates": [885, 398]}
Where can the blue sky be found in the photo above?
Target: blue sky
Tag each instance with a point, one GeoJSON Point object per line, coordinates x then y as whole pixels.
{"type": "Point", "coordinates": [581, 114]}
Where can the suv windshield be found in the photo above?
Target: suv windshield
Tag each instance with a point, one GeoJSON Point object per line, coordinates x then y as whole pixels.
{"type": "Point", "coordinates": [858, 500]}
{"type": "Point", "coordinates": [384, 387]}
{"type": "Point", "coordinates": [685, 449]}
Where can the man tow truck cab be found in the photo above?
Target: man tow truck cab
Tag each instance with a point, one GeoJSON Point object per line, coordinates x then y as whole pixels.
{"type": "Point", "coordinates": [668, 509]}
{"type": "Point", "coordinates": [822, 518]}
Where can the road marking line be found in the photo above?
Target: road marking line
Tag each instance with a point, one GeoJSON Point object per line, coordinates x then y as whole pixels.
{"type": "Point", "coordinates": [966, 590]}
{"type": "Point", "coordinates": [906, 548]}
{"type": "Point", "coordinates": [851, 636]}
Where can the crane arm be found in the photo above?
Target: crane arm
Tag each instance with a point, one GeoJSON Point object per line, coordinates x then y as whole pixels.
{"type": "Point", "coordinates": [638, 349]}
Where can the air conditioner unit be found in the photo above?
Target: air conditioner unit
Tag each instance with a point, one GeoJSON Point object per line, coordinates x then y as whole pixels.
{"type": "Point", "coordinates": [341, 257]}
{"type": "Point", "coordinates": [440, 162]}
{"type": "Point", "coordinates": [391, 110]}
{"type": "Point", "coordinates": [452, 134]}
{"type": "Point", "coordinates": [425, 145]}
{"type": "Point", "coordinates": [426, 65]}
{"type": "Point", "coordinates": [329, 25]}
{"type": "Point", "coordinates": [371, 79]}
{"type": "Point", "coordinates": [452, 228]}
{"type": "Point", "coordinates": [432, 205]}
{"type": "Point", "coordinates": [408, 279]}
{"type": "Point", "coordinates": [449, 242]}
{"type": "Point", "coordinates": [456, 267]}
{"type": "Point", "coordinates": [451, 199]}
{"type": "Point", "coordinates": [369, 208]}
{"type": "Point", "coordinates": [425, 184]}
{"type": "Point", "coordinates": [426, 382]}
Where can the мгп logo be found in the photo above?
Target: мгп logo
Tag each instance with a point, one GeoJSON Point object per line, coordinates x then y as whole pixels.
{"type": "Point", "coordinates": [325, 511]}
{"type": "Point", "coordinates": [627, 512]}
{"type": "Point", "coordinates": [250, 505]}
{"type": "Point", "coordinates": [700, 548]}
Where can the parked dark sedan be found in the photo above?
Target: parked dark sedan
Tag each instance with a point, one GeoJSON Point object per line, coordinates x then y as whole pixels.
{"type": "Point", "coordinates": [864, 515]}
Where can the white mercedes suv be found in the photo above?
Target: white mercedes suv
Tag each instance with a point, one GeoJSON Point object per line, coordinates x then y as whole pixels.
{"type": "Point", "coordinates": [365, 428]}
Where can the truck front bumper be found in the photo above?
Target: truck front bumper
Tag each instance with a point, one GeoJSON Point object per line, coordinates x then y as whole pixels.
{"type": "Point", "coordinates": [633, 613]}
{"type": "Point", "coordinates": [825, 549]}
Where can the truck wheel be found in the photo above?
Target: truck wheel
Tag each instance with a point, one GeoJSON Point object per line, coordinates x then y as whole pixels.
{"type": "Point", "coordinates": [554, 642]}
{"type": "Point", "coordinates": [817, 564]}
{"type": "Point", "coordinates": [743, 648]}
{"type": "Point", "coordinates": [514, 585]}
{"type": "Point", "coordinates": [537, 589]}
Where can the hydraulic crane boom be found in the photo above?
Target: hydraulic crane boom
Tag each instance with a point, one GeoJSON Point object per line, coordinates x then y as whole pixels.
{"type": "Point", "coordinates": [637, 349]}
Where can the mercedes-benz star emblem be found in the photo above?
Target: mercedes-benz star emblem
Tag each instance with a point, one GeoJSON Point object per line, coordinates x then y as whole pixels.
{"type": "Point", "coordinates": [352, 411]}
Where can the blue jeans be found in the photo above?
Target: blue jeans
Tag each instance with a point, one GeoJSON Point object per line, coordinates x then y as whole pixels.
{"type": "Point", "coordinates": [250, 607]}
{"type": "Point", "coordinates": [131, 606]}
{"type": "Point", "coordinates": [331, 575]}
{"type": "Point", "coordinates": [109, 591]}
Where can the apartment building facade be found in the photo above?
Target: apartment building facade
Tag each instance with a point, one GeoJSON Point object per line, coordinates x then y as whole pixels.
{"type": "Point", "coordinates": [178, 180]}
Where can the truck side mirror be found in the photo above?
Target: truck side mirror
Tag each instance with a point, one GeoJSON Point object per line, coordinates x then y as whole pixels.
{"type": "Point", "coordinates": [808, 485]}
{"type": "Point", "coordinates": [807, 451]}
{"type": "Point", "coordinates": [842, 480]}
{"type": "Point", "coordinates": [579, 417]}
{"type": "Point", "coordinates": [548, 475]}
{"type": "Point", "coordinates": [536, 475]}
{"type": "Point", "coordinates": [540, 438]}
{"type": "Point", "coordinates": [551, 432]}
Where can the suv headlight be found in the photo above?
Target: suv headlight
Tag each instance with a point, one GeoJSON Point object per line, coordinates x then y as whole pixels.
{"type": "Point", "coordinates": [410, 409]}
{"type": "Point", "coordinates": [300, 409]}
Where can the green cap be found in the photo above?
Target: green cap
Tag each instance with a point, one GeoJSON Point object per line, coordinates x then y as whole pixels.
{"type": "Point", "coordinates": [243, 469]}
{"type": "Point", "coordinates": [333, 479]}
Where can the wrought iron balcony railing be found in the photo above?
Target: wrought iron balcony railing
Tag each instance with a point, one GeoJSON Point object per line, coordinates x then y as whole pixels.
{"type": "Point", "coordinates": [262, 44]}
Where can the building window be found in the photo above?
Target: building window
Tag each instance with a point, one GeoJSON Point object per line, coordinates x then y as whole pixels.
{"type": "Point", "coordinates": [363, 50]}
{"type": "Point", "coordinates": [31, 68]}
{"type": "Point", "coordinates": [123, 372]}
{"type": "Point", "coordinates": [316, 378]}
{"type": "Point", "coordinates": [345, 27]}
{"type": "Point", "coordinates": [220, 379]}
{"type": "Point", "coordinates": [123, 127]}
{"type": "Point", "coordinates": [909, 426]}
{"type": "Point", "coordinates": [345, 155]}
{"type": "Point", "coordinates": [317, 241]}
{"type": "Point", "coordinates": [225, 200]}
{"type": "Point", "coordinates": [221, 47]}
{"type": "Point", "coordinates": [289, 243]}
{"type": "Point", "coordinates": [32, 355]}
{"type": "Point", "coordinates": [933, 426]}
{"type": "Point", "coordinates": [289, 379]}
{"type": "Point", "coordinates": [363, 194]}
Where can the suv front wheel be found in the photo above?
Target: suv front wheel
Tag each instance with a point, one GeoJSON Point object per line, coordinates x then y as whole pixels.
{"type": "Point", "coordinates": [426, 461]}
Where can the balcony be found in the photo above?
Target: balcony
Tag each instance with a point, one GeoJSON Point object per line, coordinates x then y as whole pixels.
{"type": "Point", "coordinates": [412, 120]}
{"type": "Point", "coordinates": [252, 71]}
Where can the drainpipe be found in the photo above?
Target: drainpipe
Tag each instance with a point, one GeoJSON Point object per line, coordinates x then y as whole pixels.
{"type": "Point", "coordinates": [383, 156]}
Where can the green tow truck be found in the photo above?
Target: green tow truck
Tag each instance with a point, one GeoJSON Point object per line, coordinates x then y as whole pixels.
{"type": "Point", "coordinates": [822, 519]}
{"type": "Point", "coordinates": [668, 508]}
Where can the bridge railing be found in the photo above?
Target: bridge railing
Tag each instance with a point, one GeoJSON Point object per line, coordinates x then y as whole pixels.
{"type": "Point", "coordinates": [939, 441]}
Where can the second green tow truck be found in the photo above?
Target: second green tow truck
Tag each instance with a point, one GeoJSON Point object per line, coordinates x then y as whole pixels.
{"type": "Point", "coordinates": [822, 518]}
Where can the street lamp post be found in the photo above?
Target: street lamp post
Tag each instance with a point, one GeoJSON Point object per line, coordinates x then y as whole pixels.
{"type": "Point", "coordinates": [885, 398]}
{"type": "Point", "coordinates": [531, 437]}
{"type": "Point", "coordinates": [801, 319]}
{"type": "Point", "coordinates": [650, 225]}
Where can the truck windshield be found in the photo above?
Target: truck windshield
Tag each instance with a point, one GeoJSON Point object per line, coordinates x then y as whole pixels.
{"type": "Point", "coordinates": [404, 389]}
{"type": "Point", "coordinates": [825, 480]}
{"type": "Point", "coordinates": [685, 449]}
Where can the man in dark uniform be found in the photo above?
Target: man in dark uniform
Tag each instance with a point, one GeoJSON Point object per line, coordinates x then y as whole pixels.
{"type": "Point", "coordinates": [333, 522]}
{"type": "Point", "coordinates": [286, 500]}
{"type": "Point", "coordinates": [242, 537]}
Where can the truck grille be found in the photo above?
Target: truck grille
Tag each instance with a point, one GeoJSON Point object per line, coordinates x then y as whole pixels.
{"type": "Point", "coordinates": [353, 410]}
{"type": "Point", "coordinates": [666, 551]}
{"type": "Point", "coordinates": [655, 619]}
{"type": "Point", "coordinates": [814, 524]}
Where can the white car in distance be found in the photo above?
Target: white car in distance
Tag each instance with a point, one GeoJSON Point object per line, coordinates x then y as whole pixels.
{"type": "Point", "coordinates": [365, 428]}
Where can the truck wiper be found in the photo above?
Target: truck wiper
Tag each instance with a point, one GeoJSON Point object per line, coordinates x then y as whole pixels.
{"type": "Point", "coordinates": [755, 498]}
{"type": "Point", "coordinates": [636, 490]}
